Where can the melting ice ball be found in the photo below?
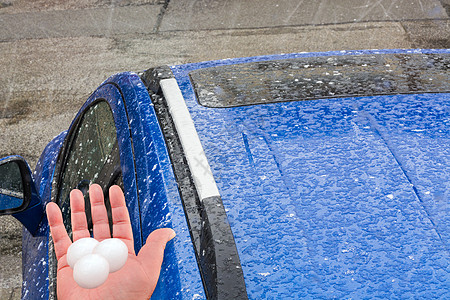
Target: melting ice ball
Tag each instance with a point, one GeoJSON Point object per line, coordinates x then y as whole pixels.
{"type": "Point", "coordinates": [91, 271]}
{"type": "Point", "coordinates": [92, 261]}
{"type": "Point", "coordinates": [80, 248]}
{"type": "Point", "coordinates": [114, 251]}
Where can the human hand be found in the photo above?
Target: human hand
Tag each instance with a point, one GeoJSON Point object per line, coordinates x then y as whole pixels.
{"type": "Point", "coordinates": [138, 278]}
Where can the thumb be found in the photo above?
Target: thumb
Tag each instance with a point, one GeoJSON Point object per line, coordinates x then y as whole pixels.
{"type": "Point", "coordinates": [152, 253]}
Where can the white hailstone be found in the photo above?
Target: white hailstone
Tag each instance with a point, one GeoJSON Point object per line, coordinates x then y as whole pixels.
{"type": "Point", "coordinates": [91, 271]}
{"type": "Point", "coordinates": [115, 251]}
{"type": "Point", "coordinates": [79, 249]}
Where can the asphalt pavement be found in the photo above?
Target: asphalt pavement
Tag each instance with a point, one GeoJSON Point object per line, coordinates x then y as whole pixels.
{"type": "Point", "coordinates": [54, 53]}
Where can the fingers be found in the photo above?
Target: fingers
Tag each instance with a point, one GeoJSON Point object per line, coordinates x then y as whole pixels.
{"type": "Point", "coordinates": [78, 215]}
{"type": "Point", "coordinates": [152, 253]}
{"type": "Point", "coordinates": [121, 218]}
{"type": "Point", "coordinates": [59, 234]}
{"type": "Point", "coordinates": [99, 214]}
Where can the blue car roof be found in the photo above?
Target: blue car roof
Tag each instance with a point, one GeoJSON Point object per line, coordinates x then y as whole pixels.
{"type": "Point", "coordinates": [336, 197]}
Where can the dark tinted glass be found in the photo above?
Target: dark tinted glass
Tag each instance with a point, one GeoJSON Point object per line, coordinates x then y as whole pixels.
{"type": "Point", "coordinates": [309, 78]}
{"type": "Point", "coordinates": [92, 158]}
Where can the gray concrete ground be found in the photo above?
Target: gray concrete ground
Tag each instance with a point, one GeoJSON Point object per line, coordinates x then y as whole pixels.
{"type": "Point", "coordinates": [53, 53]}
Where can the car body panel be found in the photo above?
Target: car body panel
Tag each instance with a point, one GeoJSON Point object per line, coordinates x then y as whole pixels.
{"type": "Point", "coordinates": [333, 197]}
{"type": "Point", "coordinates": [330, 198]}
{"type": "Point", "coordinates": [159, 200]}
{"type": "Point", "coordinates": [179, 274]}
{"type": "Point", "coordinates": [35, 249]}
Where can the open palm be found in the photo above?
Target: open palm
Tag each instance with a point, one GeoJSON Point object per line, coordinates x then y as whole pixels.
{"type": "Point", "coordinates": [138, 278]}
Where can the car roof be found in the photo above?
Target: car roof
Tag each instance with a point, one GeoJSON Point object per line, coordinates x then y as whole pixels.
{"type": "Point", "coordinates": [333, 197]}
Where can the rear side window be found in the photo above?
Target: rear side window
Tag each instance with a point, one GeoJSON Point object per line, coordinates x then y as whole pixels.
{"type": "Point", "coordinates": [309, 78]}
{"type": "Point", "coordinates": [93, 158]}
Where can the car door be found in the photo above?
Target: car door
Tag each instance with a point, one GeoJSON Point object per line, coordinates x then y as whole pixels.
{"type": "Point", "coordinates": [114, 139]}
{"type": "Point", "coordinates": [117, 140]}
{"type": "Point", "coordinates": [97, 149]}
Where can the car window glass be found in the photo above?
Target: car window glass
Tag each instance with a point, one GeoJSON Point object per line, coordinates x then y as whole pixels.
{"type": "Point", "coordinates": [310, 78]}
{"type": "Point", "coordinates": [93, 158]}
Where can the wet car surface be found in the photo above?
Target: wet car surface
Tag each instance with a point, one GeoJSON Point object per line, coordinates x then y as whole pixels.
{"type": "Point", "coordinates": [323, 175]}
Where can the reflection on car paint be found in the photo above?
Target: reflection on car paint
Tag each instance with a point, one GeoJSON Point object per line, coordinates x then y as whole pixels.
{"type": "Point", "coordinates": [329, 197]}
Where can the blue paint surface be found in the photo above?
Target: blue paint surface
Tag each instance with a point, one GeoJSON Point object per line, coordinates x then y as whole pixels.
{"type": "Point", "coordinates": [35, 249]}
{"type": "Point", "coordinates": [111, 92]}
{"type": "Point", "coordinates": [159, 201]}
{"type": "Point", "coordinates": [334, 198]}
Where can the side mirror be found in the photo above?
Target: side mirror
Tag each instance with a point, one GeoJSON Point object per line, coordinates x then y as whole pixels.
{"type": "Point", "coordinates": [18, 196]}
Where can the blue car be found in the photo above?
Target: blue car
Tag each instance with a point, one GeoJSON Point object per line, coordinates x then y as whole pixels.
{"type": "Point", "coordinates": [309, 175]}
